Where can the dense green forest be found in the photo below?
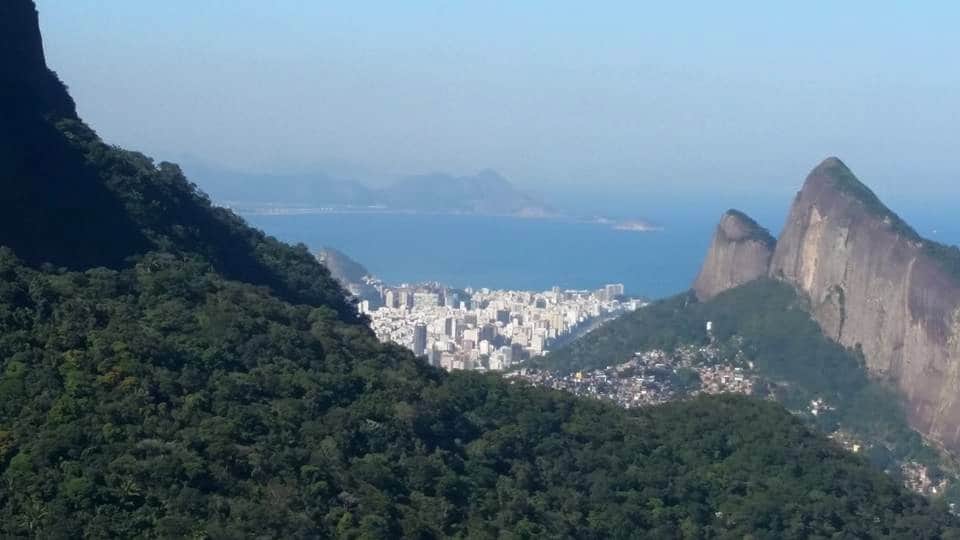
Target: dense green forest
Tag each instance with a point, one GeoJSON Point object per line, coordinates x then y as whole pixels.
{"type": "Point", "coordinates": [168, 372]}
{"type": "Point", "coordinates": [165, 400]}
{"type": "Point", "coordinates": [770, 323]}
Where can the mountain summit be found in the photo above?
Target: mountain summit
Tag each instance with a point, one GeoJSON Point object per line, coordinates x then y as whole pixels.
{"type": "Point", "coordinates": [873, 283]}
{"type": "Point", "coordinates": [740, 252]}
{"type": "Point", "coordinates": [27, 86]}
{"type": "Point", "coordinates": [48, 187]}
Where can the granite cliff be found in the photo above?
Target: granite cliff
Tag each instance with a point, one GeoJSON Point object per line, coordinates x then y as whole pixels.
{"type": "Point", "coordinates": [740, 252]}
{"type": "Point", "coordinates": [24, 76]}
{"type": "Point", "coordinates": [873, 284]}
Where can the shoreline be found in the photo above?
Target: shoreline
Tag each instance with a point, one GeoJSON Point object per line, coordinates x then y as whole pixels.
{"type": "Point", "coordinates": [288, 211]}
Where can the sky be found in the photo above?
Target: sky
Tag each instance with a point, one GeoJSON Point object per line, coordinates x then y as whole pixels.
{"type": "Point", "coordinates": [624, 99]}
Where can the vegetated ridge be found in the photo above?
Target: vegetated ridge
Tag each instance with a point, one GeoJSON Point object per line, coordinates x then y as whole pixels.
{"type": "Point", "coordinates": [168, 372]}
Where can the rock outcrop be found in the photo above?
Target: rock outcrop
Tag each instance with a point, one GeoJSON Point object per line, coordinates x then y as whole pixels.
{"type": "Point", "coordinates": [351, 275]}
{"type": "Point", "coordinates": [874, 283]}
{"type": "Point", "coordinates": [740, 252]}
{"type": "Point", "coordinates": [48, 188]}
{"type": "Point", "coordinates": [24, 77]}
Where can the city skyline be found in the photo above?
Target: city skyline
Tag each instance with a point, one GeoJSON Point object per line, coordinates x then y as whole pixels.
{"type": "Point", "coordinates": [484, 329]}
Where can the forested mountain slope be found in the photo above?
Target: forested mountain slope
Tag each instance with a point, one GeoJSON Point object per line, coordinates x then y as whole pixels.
{"type": "Point", "coordinates": [168, 372]}
{"type": "Point", "coordinates": [74, 201]}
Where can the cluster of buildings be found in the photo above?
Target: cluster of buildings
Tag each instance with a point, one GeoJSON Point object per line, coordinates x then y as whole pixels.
{"type": "Point", "coordinates": [654, 377]}
{"type": "Point", "coordinates": [920, 479]}
{"type": "Point", "coordinates": [917, 477]}
{"type": "Point", "coordinates": [487, 329]}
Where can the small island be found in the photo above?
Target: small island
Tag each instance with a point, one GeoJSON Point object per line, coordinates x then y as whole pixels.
{"type": "Point", "coordinates": [637, 226]}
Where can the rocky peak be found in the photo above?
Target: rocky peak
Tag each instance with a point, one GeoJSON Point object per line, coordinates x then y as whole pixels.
{"type": "Point", "coordinates": [738, 227]}
{"type": "Point", "coordinates": [740, 252]}
{"type": "Point", "coordinates": [871, 282]}
{"type": "Point", "coordinates": [20, 41]}
{"type": "Point", "coordinates": [832, 185]}
{"type": "Point", "coordinates": [24, 75]}
{"type": "Point", "coordinates": [875, 284]}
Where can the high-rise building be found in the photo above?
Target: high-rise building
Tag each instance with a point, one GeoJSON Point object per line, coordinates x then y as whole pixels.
{"type": "Point", "coordinates": [455, 328]}
{"type": "Point", "coordinates": [425, 299]}
{"type": "Point", "coordinates": [473, 334]}
{"type": "Point", "coordinates": [517, 354]}
{"type": "Point", "coordinates": [447, 361]}
{"type": "Point", "coordinates": [488, 332]}
{"type": "Point", "coordinates": [390, 299]}
{"type": "Point", "coordinates": [503, 315]}
{"type": "Point", "coordinates": [507, 354]}
{"type": "Point", "coordinates": [406, 298]}
{"type": "Point", "coordinates": [496, 361]}
{"type": "Point", "coordinates": [538, 342]}
{"type": "Point", "coordinates": [613, 290]}
{"type": "Point", "coordinates": [419, 339]}
{"type": "Point", "coordinates": [448, 326]}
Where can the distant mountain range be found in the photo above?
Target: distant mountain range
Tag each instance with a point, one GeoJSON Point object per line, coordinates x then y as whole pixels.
{"type": "Point", "coordinates": [486, 192]}
{"type": "Point", "coordinates": [483, 193]}
{"type": "Point", "coordinates": [311, 188]}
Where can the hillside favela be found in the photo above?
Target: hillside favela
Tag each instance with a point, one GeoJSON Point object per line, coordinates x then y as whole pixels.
{"type": "Point", "coordinates": [310, 270]}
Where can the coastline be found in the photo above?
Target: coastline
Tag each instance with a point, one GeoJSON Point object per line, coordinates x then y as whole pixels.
{"type": "Point", "coordinates": [282, 210]}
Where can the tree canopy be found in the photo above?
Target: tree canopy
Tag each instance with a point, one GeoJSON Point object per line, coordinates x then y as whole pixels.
{"type": "Point", "coordinates": [167, 371]}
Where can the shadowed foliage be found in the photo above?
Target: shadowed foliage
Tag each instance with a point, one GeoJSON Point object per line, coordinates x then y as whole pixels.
{"type": "Point", "coordinates": [177, 374]}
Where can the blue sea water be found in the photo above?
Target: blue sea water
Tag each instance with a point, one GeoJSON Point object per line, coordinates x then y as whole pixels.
{"type": "Point", "coordinates": [536, 254]}
{"type": "Point", "coordinates": [502, 252]}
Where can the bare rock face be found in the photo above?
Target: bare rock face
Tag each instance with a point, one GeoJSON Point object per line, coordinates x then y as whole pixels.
{"type": "Point", "coordinates": [24, 76]}
{"type": "Point", "coordinates": [874, 283]}
{"type": "Point", "coordinates": [740, 252]}
{"type": "Point", "coordinates": [350, 274]}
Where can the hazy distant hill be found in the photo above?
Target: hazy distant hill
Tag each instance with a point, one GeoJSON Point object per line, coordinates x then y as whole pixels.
{"type": "Point", "coordinates": [486, 192]}
{"type": "Point", "coordinates": [311, 189]}
{"type": "Point", "coordinates": [483, 193]}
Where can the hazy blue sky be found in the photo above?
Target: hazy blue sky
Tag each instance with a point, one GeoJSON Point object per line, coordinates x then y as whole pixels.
{"type": "Point", "coordinates": [631, 96]}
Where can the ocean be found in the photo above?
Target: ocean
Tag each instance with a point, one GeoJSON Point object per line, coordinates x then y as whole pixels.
{"type": "Point", "coordinates": [504, 252]}
{"type": "Point", "coordinates": [536, 254]}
